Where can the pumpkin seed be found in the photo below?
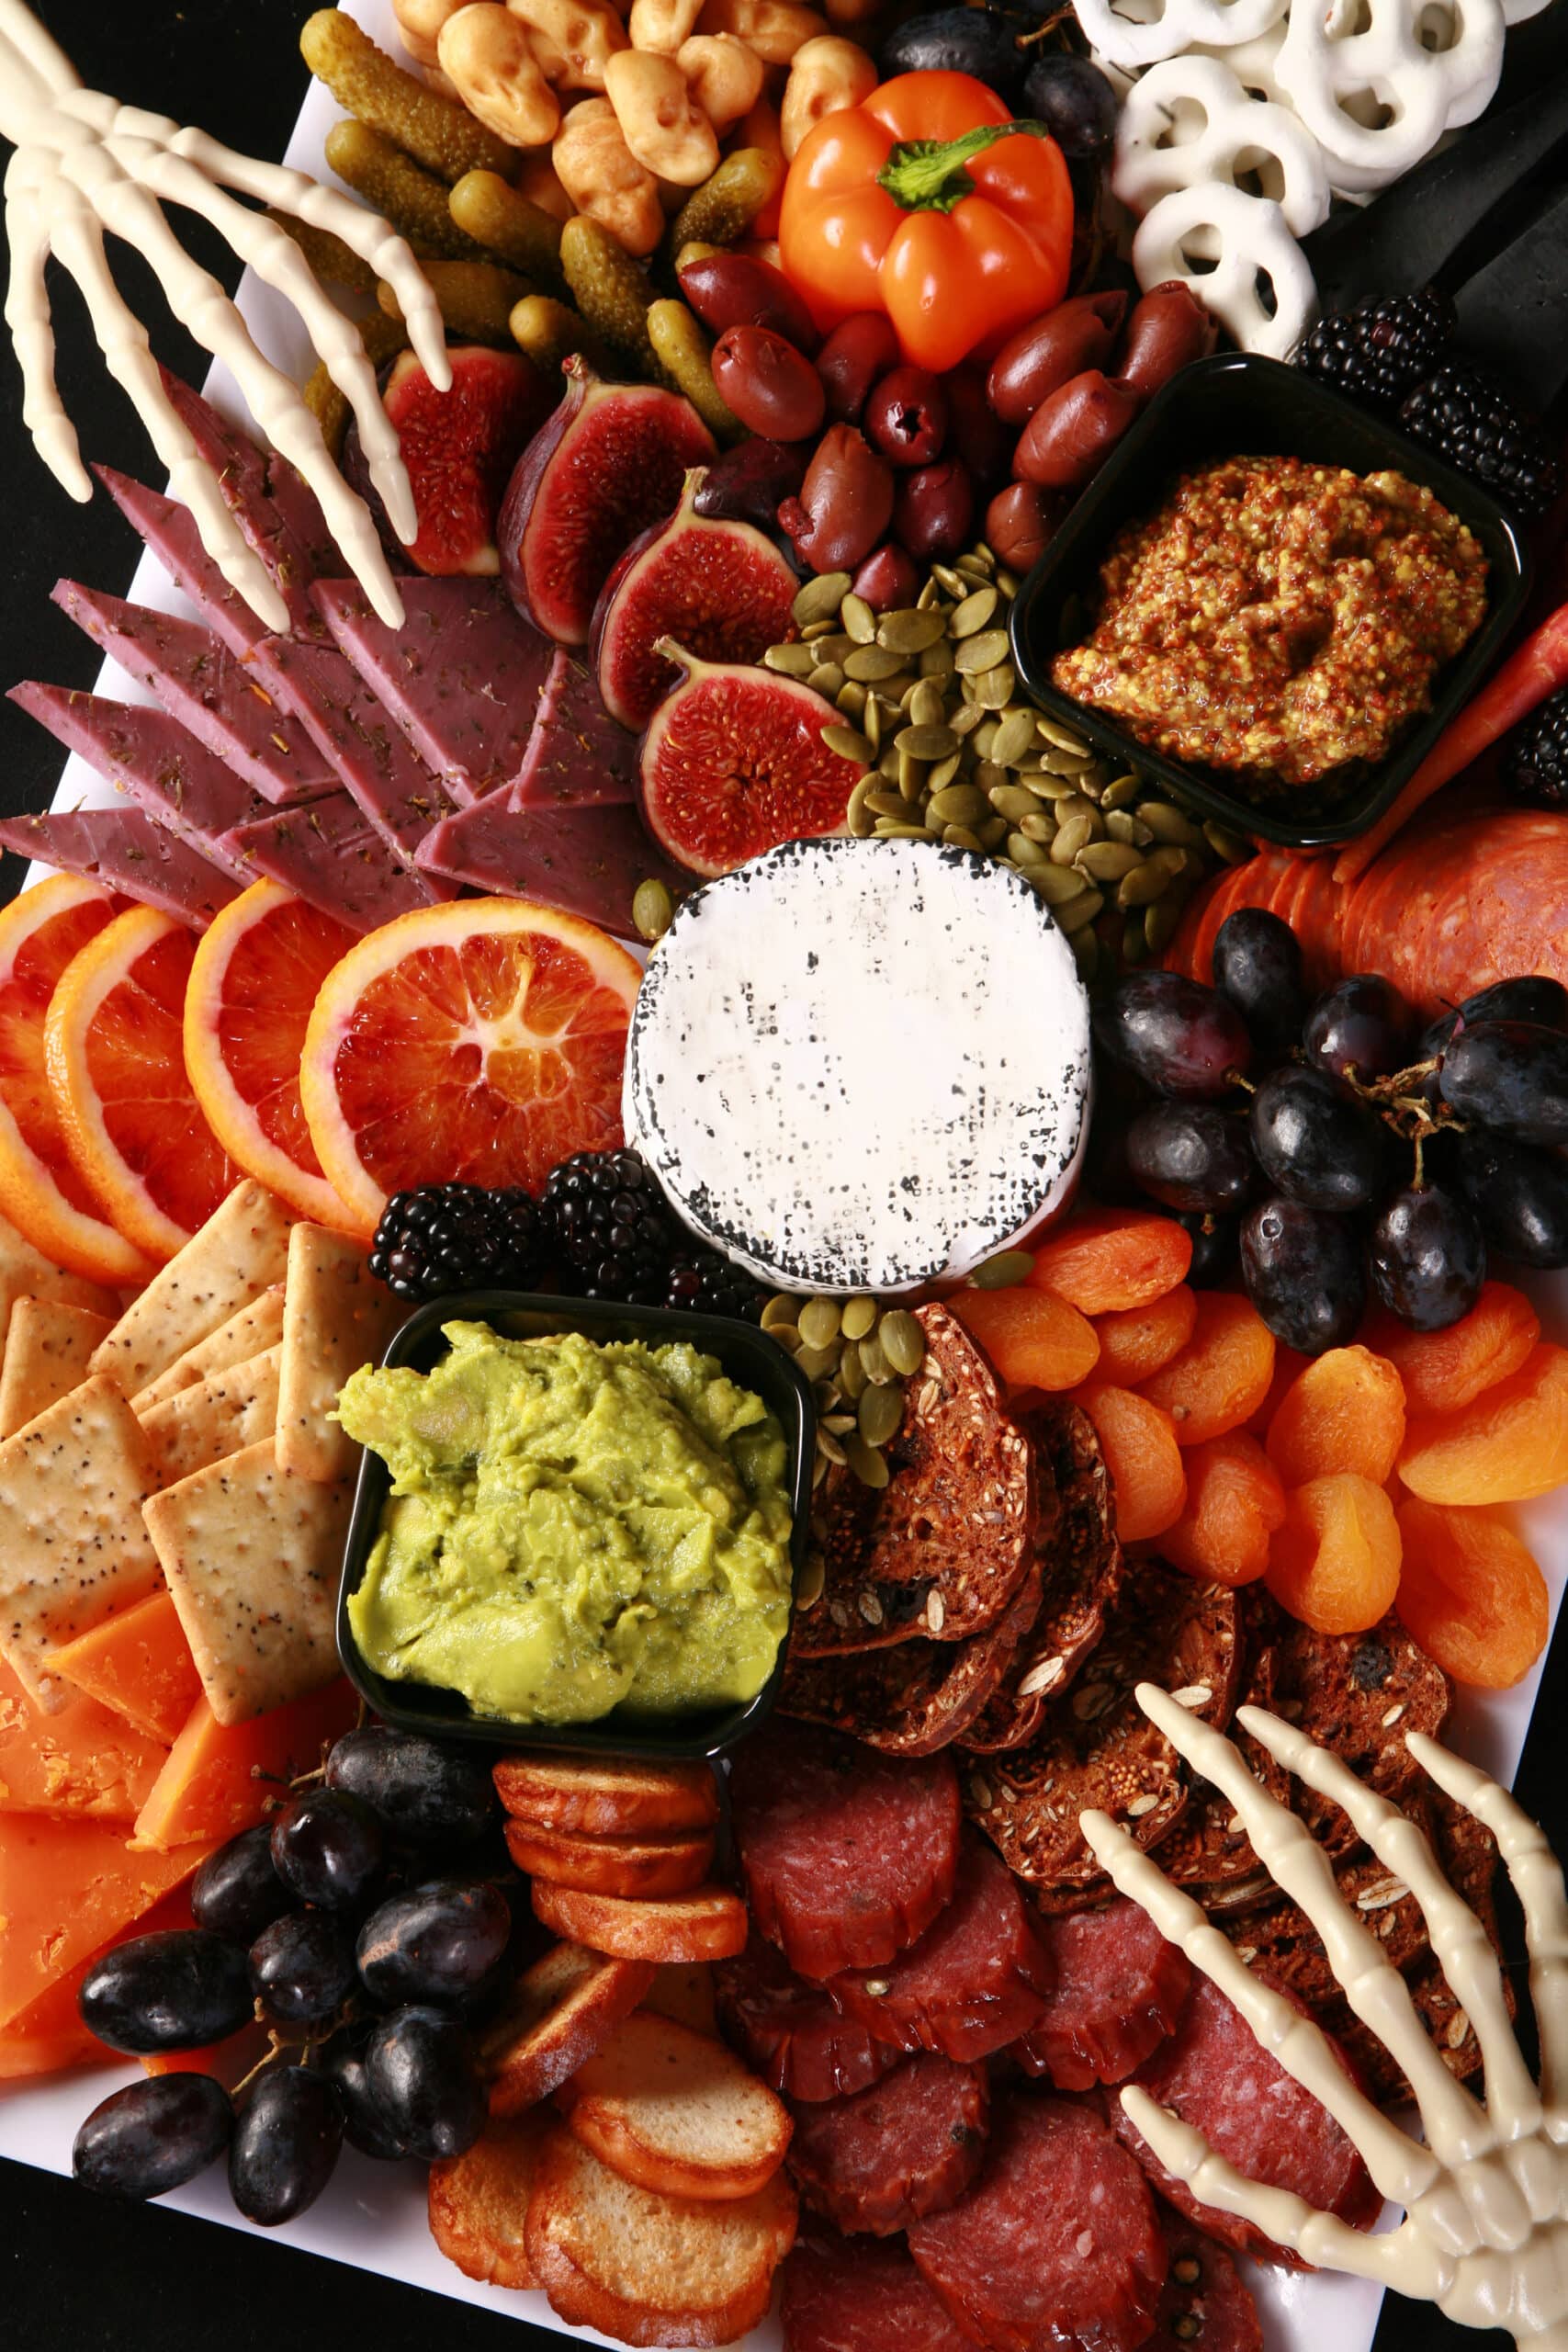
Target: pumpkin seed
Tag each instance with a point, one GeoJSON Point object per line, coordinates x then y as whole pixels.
{"type": "Point", "coordinates": [910, 630]}
{"type": "Point", "coordinates": [972, 614]}
{"type": "Point", "coordinates": [927, 742]}
{"type": "Point", "coordinates": [1160, 922]}
{"type": "Point", "coordinates": [1086, 955]}
{"type": "Point", "coordinates": [1055, 789]}
{"type": "Point", "coordinates": [954, 581]}
{"type": "Point", "coordinates": [936, 661]}
{"type": "Point", "coordinates": [818, 1467]}
{"type": "Point", "coordinates": [966, 718]}
{"type": "Point", "coordinates": [859, 620]}
{"type": "Point", "coordinates": [852, 1375]}
{"type": "Point", "coordinates": [902, 1342]}
{"type": "Point", "coordinates": [851, 697]}
{"type": "Point", "coordinates": [653, 908]}
{"type": "Point", "coordinates": [1121, 790]}
{"type": "Point", "coordinates": [1224, 844]}
{"type": "Point", "coordinates": [993, 688]}
{"type": "Point", "coordinates": [1014, 736]}
{"type": "Point", "coordinates": [1060, 763]}
{"type": "Point", "coordinates": [827, 1443]}
{"type": "Point", "coordinates": [865, 1462]}
{"type": "Point", "coordinates": [912, 776]}
{"type": "Point", "coordinates": [1166, 823]}
{"type": "Point", "coordinates": [857, 1317]}
{"type": "Point", "coordinates": [1004, 1272]}
{"type": "Point", "coordinates": [881, 1411]}
{"type": "Point", "coordinates": [1062, 737]}
{"type": "Point", "coordinates": [871, 719]}
{"type": "Point", "coordinates": [928, 596]}
{"type": "Point", "coordinates": [1109, 861]}
{"type": "Point", "coordinates": [1038, 826]}
{"type": "Point", "coordinates": [958, 804]}
{"type": "Point", "coordinates": [790, 660]}
{"type": "Point", "coordinates": [860, 816]}
{"type": "Point", "coordinates": [875, 1361]}
{"type": "Point", "coordinates": [1080, 911]}
{"type": "Point", "coordinates": [960, 837]}
{"type": "Point", "coordinates": [993, 832]}
{"type": "Point", "coordinates": [780, 1310]}
{"type": "Point", "coordinates": [871, 663]}
{"type": "Point", "coordinates": [819, 1321]}
{"type": "Point", "coordinates": [1024, 852]}
{"type": "Point", "coordinates": [826, 679]}
{"type": "Point", "coordinates": [1142, 885]}
{"type": "Point", "coordinates": [813, 1578]}
{"type": "Point", "coordinates": [820, 598]}
{"type": "Point", "coordinates": [815, 1361]}
{"type": "Point", "coordinates": [1008, 582]}
{"type": "Point", "coordinates": [983, 653]}
{"type": "Point", "coordinates": [926, 707]}
{"type": "Point", "coordinates": [942, 775]}
{"type": "Point", "coordinates": [1074, 836]}
{"type": "Point", "coordinates": [890, 832]}
{"type": "Point", "coordinates": [1134, 937]}
{"type": "Point", "coordinates": [1058, 885]}
{"type": "Point", "coordinates": [1122, 826]}
{"type": "Point", "coordinates": [885, 804]}
{"type": "Point", "coordinates": [849, 742]}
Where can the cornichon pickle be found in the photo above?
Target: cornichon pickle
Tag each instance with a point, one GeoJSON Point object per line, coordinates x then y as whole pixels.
{"type": "Point", "coordinates": [368, 163]}
{"type": "Point", "coordinates": [695, 251]}
{"type": "Point", "coordinates": [522, 234]}
{"type": "Point", "coordinates": [382, 338]}
{"type": "Point", "coordinates": [334, 262]}
{"type": "Point", "coordinates": [682, 349]}
{"type": "Point", "coordinates": [725, 206]}
{"type": "Point", "coordinates": [476, 298]}
{"type": "Point", "coordinates": [435, 130]}
{"type": "Point", "coordinates": [609, 289]}
{"type": "Point", "coordinates": [549, 330]}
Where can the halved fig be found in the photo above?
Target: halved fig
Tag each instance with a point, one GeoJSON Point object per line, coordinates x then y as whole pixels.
{"type": "Point", "coordinates": [460, 448]}
{"type": "Point", "coordinates": [720, 589]}
{"type": "Point", "coordinates": [607, 465]}
{"type": "Point", "coordinates": [733, 764]}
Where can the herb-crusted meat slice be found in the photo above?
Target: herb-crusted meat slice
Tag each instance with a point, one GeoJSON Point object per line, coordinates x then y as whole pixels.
{"type": "Point", "coordinates": [943, 1549]}
{"type": "Point", "coordinates": [864, 2297]}
{"type": "Point", "coordinates": [1206, 2300]}
{"type": "Point", "coordinates": [979, 1977]}
{"type": "Point", "coordinates": [911, 2145]}
{"type": "Point", "coordinates": [1120, 1987]}
{"type": "Point", "coordinates": [795, 2034]}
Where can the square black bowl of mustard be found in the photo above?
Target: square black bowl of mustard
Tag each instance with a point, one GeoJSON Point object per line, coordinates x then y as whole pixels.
{"type": "Point", "coordinates": [1292, 700]}
{"type": "Point", "coordinates": [545, 1521]}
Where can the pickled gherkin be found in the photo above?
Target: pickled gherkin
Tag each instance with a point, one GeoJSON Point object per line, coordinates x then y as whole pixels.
{"type": "Point", "coordinates": [682, 349]}
{"type": "Point", "coordinates": [550, 332]}
{"type": "Point", "coordinates": [368, 163]}
{"type": "Point", "coordinates": [518, 231]}
{"type": "Point", "coordinates": [725, 206]}
{"type": "Point", "coordinates": [476, 298]}
{"type": "Point", "coordinates": [436, 131]}
{"type": "Point", "coordinates": [334, 263]}
{"type": "Point", "coordinates": [609, 288]}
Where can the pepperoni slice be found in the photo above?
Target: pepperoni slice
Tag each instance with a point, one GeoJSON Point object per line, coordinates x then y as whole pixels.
{"type": "Point", "coordinates": [860, 2298]}
{"type": "Point", "coordinates": [1056, 2243]}
{"type": "Point", "coordinates": [848, 1855]}
{"type": "Point", "coordinates": [978, 1977]}
{"type": "Point", "coordinates": [794, 2033]}
{"type": "Point", "coordinates": [910, 2145]}
{"type": "Point", "coordinates": [1206, 2300]}
{"type": "Point", "coordinates": [1120, 1987]}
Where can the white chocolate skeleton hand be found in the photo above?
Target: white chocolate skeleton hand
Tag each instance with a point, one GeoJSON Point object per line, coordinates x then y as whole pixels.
{"type": "Point", "coordinates": [1485, 2233]}
{"type": "Point", "coordinates": [85, 164]}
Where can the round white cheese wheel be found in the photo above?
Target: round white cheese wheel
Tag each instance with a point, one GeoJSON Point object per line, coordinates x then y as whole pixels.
{"type": "Point", "coordinates": [859, 1066]}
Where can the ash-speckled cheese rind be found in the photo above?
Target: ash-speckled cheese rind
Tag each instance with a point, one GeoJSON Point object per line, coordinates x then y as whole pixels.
{"type": "Point", "coordinates": [860, 1066]}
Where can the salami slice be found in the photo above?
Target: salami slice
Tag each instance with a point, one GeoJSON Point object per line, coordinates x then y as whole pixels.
{"type": "Point", "coordinates": [848, 1855]}
{"type": "Point", "coordinates": [979, 1977]}
{"type": "Point", "coordinates": [1057, 2243]}
{"type": "Point", "coordinates": [910, 2146]}
{"type": "Point", "coordinates": [1120, 1987]}
{"type": "Point", "coordinates": [860, 2298]}
{"type": "Point", "coordinates": [1215, 2074]}
{"type": "Point", "coordinates": [1359, 1695]}
{"type": "Point", "coordinates": [1206, 2300]}
{"type": "Point", "coordinates": [793, 2033]}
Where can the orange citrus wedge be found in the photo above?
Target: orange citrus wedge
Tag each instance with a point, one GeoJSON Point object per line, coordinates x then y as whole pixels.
{"type": "Point", "coordinates": [40, 1190]}
{"type": "Point", "coordinates": [116, 1071]}
{"type": "Point", "coordinates": [258, 971]}
{"type": "Point", "coordinates": [478, 1043]}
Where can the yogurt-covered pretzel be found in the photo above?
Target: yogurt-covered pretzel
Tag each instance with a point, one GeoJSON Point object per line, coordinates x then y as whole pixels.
{"type": "Point", "coordinates": [1378, 99]}
{"type": "Point", "coordinates": [1189, 123]}
{"type": "Point", "coordinates": [1486, 2229]}
{"type": "Point", "coordinates": [84, 164]}
{"type": "Point", "coordinates": [1242, 242]}
{"type": "Point", "coordinates": [1141, 32]}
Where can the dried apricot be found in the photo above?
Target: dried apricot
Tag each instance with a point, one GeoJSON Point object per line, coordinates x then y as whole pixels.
{"type": "Point", "coordinates": [1471, 1593]}
{"type": "Point", "coordinates": [1234, 1502]}
{"type": "Point", "coordinates": [1288, 1363]}
{"type": "Point", "coordinates": [1143, 1457]}
{"type": "Point", "coordinates": [1509, 1444]}
{"type": "Point", "coordinates": [1334, 1561]}
{"type": "Point", "coordinates": [1344, 1411]}
{"type": "Point", "coordinates": [1136, 1341]}
{"type": "Point", "coordinates": [1221, 1375]}
{"type": "Point", "coordinates": [1444, 1371]}
{"type": "Point", "coordinates": [1110, 1259]}
{"type": "Point", "coordinates": [1033, 1338]}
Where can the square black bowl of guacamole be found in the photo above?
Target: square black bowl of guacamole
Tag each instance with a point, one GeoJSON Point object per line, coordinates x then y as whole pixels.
{"type": "Point", "coordinates": [744, 1353]}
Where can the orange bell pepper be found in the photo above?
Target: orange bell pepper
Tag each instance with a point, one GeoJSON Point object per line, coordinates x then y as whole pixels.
{"type": "Point", "coordinates": [931, 203]}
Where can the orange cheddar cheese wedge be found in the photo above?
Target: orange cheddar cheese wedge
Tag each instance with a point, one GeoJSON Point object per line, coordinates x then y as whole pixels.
{"type": "Point", "coordinates": [68, 1888]}
{"type": "Point", "coordinates": [139, 1663]}
{"type": "Point", "coordinates": [219, 1778]}
{"type": "Point", "coordinates": [49, 2035]}
{"type": "Point", "coordinates": [80, 1764]}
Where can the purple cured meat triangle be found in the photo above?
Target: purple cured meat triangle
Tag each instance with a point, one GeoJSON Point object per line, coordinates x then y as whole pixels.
{"type": "Point", "coordinates": [198, 682]}
{"type": "Point", "coordinates": [329, 857]}
{"type": "Point", "coordinates": [462, 678]}
{"type": "Point", "coordinates": [168, 531]}
{"type": "Point", "coordinates": [125, 850]}
{"type": "Point", "coordinates": [277, 511]}
{"type": "Point", "coordinates": [583, 862]}
{"type": "Point", "coordinates": [577, 756]}
{"type": "Point", "coordinates": [155, 762]}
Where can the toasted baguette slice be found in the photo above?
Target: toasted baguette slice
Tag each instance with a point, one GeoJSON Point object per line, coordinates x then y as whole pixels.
{"type": "Point", "coordinates": [687, 1995]}
{"type": "Point", "coordinates": [677, 2111]}
{"type": "Point", "coordinates": [555, 2016]}
{"type": "Point", "coordinates": [651, 2270]}
{"type": "Point", "coordinates": [630, 1866]}
{"type": "Point", "coordinates": [478, 2201]}
{"type": "Point", "coordinates": [706, 1925]}
{"type": "Point", "coordinates": [608, 1796]}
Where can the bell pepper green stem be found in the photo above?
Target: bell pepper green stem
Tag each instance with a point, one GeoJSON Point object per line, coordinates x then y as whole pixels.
{"type": "Point", "coordinates": [928, 175]}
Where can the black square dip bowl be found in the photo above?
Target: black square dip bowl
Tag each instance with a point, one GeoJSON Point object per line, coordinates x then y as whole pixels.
{"type": "Point", "coordinates": [746, 1355]}
{"type": "Point", "coordinates": [1238, 404]}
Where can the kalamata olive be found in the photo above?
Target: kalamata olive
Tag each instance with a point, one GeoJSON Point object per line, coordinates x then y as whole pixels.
{"type": "Point", "coordinates": [1039, 360]}
{"type": "Point", "coordinates": [933, 515]}
{"type": "Point", "coordinates": [1169, 329]}
{"type": "Point", "coordinates": [845, 502]}
{"type": "Point", "coordinates": [906, 416]}
{"type": "Point", "coordinates": [887, 578]}
{"type": "Point", "coordinates": [1020, 522]}
{"type": "Point", "coordinates": [738, 290]}
{"type": "Point", "coordinates": [1070, 436]}
{"type": "Point", "coordinates": [859, 350]}
{"type": "Point", "coordinates": [772, 388]}
{"type": "Point", "coordinates": [974, 432]}
{"type": "Point", "coordinates": [750, 482]}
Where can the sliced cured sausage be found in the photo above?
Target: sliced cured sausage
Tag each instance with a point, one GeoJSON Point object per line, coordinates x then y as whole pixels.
{"type": "Point", "coordinates": [1359, 1695]}
{"type": "Point", "coordinates": [911, 2145]}
{"type": "Point", "coordinates": [794, 2033]}
{"type": "Point", "coordinates": [1056, 2243]}
{"type": "Point", "coordinates": [1120, 1987]}
{"type": "Point", "coordinates": [860, 2298]}
{"type": "Point", "coordinates": [978, 1977]}
{"type": "Point", "coordinates": [1216, 2075]}
{"type": "Point", "coordinates": [1206, 2300]}
{"type": "Point", "coordinates": [848, 1855]}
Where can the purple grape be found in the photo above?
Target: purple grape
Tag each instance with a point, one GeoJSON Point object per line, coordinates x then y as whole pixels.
{"type": "Point", "coordinates": [1427, 1257]}
{"type": "Point", "coordinates": [1314, 1144]}
{"type": "Point", "coordinates": [1510, 1076]}
{"type": "Point", "coordinates": [302, 1967]}
{"type": "Point", "coordinates": [153, 2136]}
{"type": "Point", "coordinates": [1304, 1272]}
{"type": "Point", "coordinates": [1258, 964]}
{"type": "Point", "coordinates": [1362, 1026]}
{"type": "Point", "coordinates": [1190, 1156]}
{"type": "Point", "coordinates": [177, 1990]}
{"type": "Point", "coordinates": [1182, 1039]}
{"type": "Point", "coordinates": [236, 1891]}
{"type": "Point", "coordinates": [285, 2146]}
{"type": "Point", "coordinates": [329, 1847]}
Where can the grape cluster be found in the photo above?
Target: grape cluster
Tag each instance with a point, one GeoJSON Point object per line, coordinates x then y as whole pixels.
{"type": "Point", "coordinates": [364, 1928]}
{"type": "Point", "coordinates": [1339, 1152]}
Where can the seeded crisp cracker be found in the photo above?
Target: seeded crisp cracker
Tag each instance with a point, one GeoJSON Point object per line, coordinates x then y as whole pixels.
{"type": "Point", "coordinates": [222, 1416]}
{"type": "Point", "coordinates": [25, 1273]}
{"type": "Point", "coordinates": [240, 1250]}
{"type": "Point", "coordinates": [248, 1332]}
{"type": "Point", "coordinates": [336, 1317]}
{"type": "Point", "coordinates": [47, 1350]}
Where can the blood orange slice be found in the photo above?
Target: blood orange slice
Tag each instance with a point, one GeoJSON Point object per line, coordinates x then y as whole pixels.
{"type": "Point", "coordinates": [117, 1072]}
{"type": "Point", "coordinates": [43, 1196]}
{"type": "Point", "coordinates": [258, 971]}
{"type": "Point", "coordinates": [477, 1042]}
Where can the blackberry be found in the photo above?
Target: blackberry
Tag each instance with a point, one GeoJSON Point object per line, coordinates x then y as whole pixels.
{"type": "Point", "coordinates": [613, 1235]}
{"type": "Point", "coordinates": [704, 1283]}
{"type": "Point", "coordinates": [1535, 757]}
{"type": "Point", "coordinates": [1468, 421]}
{"type": "Point", "coordinates": [1382, 351]}
{"type": "Point", "coordinates": [450, 1238]}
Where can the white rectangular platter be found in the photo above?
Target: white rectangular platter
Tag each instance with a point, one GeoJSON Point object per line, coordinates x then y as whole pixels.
{"type": "Point", "coordinates": [372, 2215]}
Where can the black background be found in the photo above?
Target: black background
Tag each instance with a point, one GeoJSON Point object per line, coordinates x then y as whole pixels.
{"type": "Point", "coordinates": [73, 2275]}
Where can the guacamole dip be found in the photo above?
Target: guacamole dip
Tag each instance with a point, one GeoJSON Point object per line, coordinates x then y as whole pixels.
{"type": "Point", "coordinates": [573, 1528]}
